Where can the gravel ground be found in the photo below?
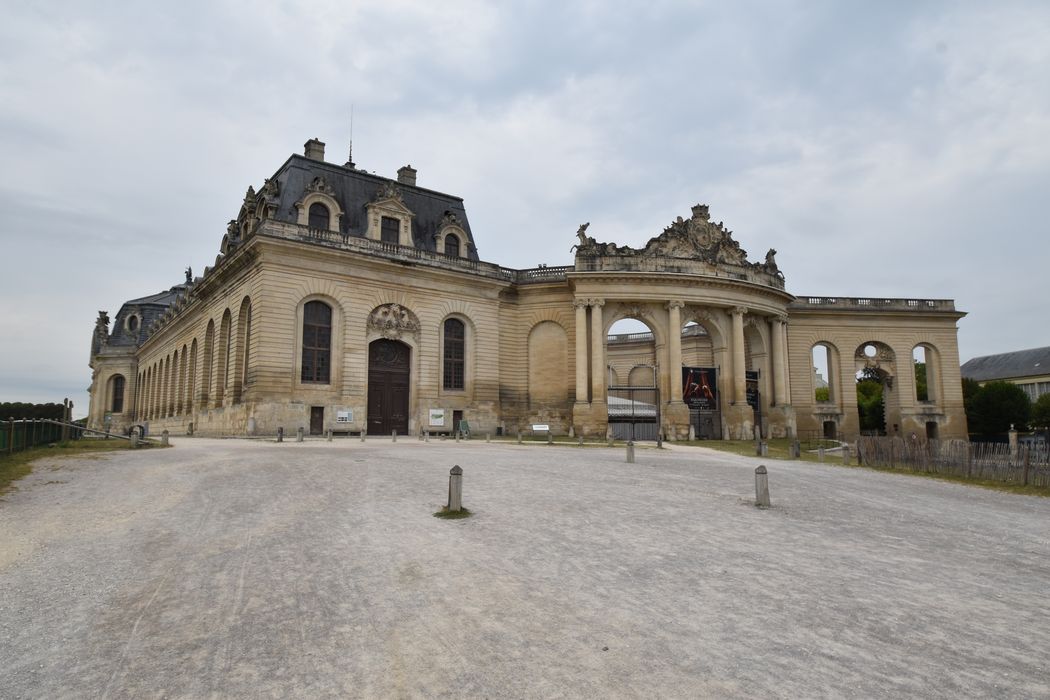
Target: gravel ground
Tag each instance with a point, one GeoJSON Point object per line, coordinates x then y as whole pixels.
{"type": "Point", "coordinates": [255, 569]}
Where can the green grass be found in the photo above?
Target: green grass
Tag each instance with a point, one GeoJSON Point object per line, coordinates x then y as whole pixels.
{"type": "Point", "coordinates": [15, 466]}
{"type": "Point", "coordinates": [445, 514]}
{"type": "Point", "coordinates": [779, 448]}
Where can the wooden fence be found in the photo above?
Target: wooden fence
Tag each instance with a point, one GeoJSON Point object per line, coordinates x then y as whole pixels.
{"type": "Point", "coordinates": [18, 435]}
{"type": "Point", "coordinates": [1024, 464]}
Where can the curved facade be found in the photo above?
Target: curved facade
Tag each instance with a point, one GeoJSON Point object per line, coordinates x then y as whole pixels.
{"type": "Point", "coordinates": [346, 301]}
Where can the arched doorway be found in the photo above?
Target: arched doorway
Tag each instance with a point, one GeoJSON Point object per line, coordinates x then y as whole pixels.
{"type": "Point", "coordinates": [389, 363]}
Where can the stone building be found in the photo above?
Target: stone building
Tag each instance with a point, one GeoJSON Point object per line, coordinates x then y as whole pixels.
{"type": "Point", "coordinates": [1028, 369]}
{"type": "Point", "coordinates": [347, 301]}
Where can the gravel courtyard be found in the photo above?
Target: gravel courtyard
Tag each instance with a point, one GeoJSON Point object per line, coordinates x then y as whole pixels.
{"type": "Point", "coordinates": [255, 569]}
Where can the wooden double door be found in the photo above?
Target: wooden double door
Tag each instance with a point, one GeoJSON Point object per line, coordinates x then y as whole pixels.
{"type": "Point", "coordinates": [389, 376]}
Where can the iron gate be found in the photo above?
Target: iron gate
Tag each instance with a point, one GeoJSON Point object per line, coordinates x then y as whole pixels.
{"type": "Point", "coordinates": [634, 412]}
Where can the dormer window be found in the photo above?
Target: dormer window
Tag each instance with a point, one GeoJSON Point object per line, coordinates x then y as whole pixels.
{"type": "Point", "coordinates": [391, 230]}
{"type": "Point", "coordinates": [452, 245]}
{"type": "Point", "coordinates": [132, 323]}
{"type": "Point", "coordinates": [319, 216]}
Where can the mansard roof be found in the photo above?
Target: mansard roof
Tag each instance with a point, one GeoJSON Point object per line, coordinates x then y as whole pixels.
{"type": "Point", "coordinates": [149, 309]}
{"type": "Point", "coordinates": [354, 189]}
{"type": "Point", "coordinates": [1008, 365]}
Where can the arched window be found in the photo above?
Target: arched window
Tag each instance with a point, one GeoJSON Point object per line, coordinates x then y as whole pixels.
{"type": "Point", "coordinates": [317, 341]}
{"type": "Point", "coordinates": [117, 405]}
{"type": "Point", "coordinates": [319, 216]}
{"type": "Point", "coordinates": [454, 355]}
{"type": "Point", "coordinates": [452, 245]}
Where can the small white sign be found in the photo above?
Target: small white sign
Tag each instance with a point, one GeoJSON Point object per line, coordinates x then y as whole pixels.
{"type": "Point", "coordinates": [437, 416]}
{"type": "Point", "coordinates": [540, 428]}
{"type": "Point", "coordinates": [344, 416]}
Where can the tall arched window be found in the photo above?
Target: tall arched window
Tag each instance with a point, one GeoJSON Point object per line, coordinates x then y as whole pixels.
{"type": "Point", "coordinates": [317, 341]}
{"type": "Point", "coordinates": [117, 405]}
{"type": "Point", "coordinates": [319, 216]}
{"type": "Point", "coordinates": [454, 355]}
{"type": "Point", "coordinates": [452, 245]}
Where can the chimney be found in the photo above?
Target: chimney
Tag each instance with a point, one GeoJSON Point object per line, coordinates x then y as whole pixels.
{"type": "Point", "coordinates": [314, 149]}
{"type": "Point", "coordinates": [407, 175]}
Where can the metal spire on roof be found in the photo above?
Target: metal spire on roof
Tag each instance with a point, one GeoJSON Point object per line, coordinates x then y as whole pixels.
{"type": "Point", "coordinates": [350, 154]}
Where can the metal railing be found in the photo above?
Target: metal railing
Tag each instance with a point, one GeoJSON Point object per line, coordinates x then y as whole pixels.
{"type": "Point", "coordinates": [855, 303]}
{"type": "Point", "coordinates": [20, 435]}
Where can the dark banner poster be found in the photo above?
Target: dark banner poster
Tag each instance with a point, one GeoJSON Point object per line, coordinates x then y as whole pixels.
{"type": "Point", "coordinates": [700, 388]}
{"type": "Point", "coordinates": [752, 388]}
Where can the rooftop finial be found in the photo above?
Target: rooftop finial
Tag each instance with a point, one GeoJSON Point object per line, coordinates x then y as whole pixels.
{"type": "Point", "coordinates": [350, 154]}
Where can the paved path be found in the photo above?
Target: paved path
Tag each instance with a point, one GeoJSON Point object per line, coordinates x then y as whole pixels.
{"type": "Point", "coordinates": [255, 569]}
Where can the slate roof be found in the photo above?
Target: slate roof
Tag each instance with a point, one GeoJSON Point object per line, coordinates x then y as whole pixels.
{"type": "Point", "coordinates": [149, 309]}
{"type": "Point", "coordinates": [355, 188]}
{"type": "Point", "coordinates": [1008, 365]}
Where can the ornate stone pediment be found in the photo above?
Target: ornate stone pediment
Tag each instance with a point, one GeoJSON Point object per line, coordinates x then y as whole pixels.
{"type": "Point", "coordinates": [392, 321]}
{"type": "Point", "coordinates": [319, 184]}
{"type": "Point", "coordinates": [697, 238]}
{"type": "Point", "coordinates": [389, 191]}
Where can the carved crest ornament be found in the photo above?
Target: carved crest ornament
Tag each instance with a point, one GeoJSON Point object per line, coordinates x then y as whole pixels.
{"type": "Point", "coordinates": [392, 321]}
{"type": "Point", "coordinates": [696, 238]}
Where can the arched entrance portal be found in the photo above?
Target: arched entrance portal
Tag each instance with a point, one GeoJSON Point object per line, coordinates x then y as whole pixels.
{"type": "Point", "coordinates": [389, 363]}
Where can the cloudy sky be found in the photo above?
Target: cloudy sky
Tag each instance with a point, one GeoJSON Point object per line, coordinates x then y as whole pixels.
{"type": "Point", "coordinates": [895, 149]}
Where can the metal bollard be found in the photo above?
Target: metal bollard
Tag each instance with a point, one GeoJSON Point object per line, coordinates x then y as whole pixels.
{"type": "Point", "coordinates": [164, 438]}
{"type": "Point", "coordinates": [455, 489]}
{"type": "Point", "coordinates": [630, 452]}
{"type": "Point", "coordinates": [280, 434]}
{"type": "Point", "coordinates": [299, 434]}
{"type": "Point", "coordinates": [579, 441]}
{"type": "Point", "coordinates": [761, 487]}
{"type": "Point", "coordinates": [550, 438]}
{"type": "Point", "coordinates": [796, 450]}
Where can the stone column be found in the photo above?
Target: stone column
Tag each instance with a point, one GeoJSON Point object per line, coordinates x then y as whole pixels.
{"type": "Point", "coordinates": [581, 350]}
{"type": "Point", "coordinates": [674, 350]}
{"type": "Point", "coordinates": [737, 345]}
{"type": "Point", "coordinates": [779, 361]}
{"type": "Point", "coordinates": [597, 351]}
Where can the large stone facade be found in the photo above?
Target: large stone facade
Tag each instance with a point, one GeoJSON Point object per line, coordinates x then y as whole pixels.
{"type": "Point", "coordinates": [342, 300]}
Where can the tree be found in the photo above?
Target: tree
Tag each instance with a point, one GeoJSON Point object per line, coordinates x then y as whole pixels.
{"type": "Point", "coordinates": [997, 406]}
{"type": "Point", "coordinates": [922, 393]}
{"type": "Point", "coordinates": [869, 401]}
{"type": "Point", "coordinates": [1041, 412]}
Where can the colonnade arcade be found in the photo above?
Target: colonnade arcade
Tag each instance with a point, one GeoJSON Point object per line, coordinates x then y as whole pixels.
{"type": "Point", "coordinates": [742, 339]}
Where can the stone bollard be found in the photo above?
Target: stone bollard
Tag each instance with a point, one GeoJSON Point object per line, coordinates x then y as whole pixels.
{"type": "Point", "coordinates": [486, 437]}
{"type": "Point", "coordinates": [579, 441]}
{"type": "Point", "coordinates": [845, 453]}
{"type": "Point", "coordinates": [630, 452]}
{"type": "Point", "coordinates": [572, 431]}
{"type": "Point", "coordinates": [426, 436]}
{"type": "Point", "coordinates": [189, 429]}
{"type": "Point", "coordinates": [692, 433]}
{"type": "Point", "coordinates": [455, 489]}
{"type": "Point", "coordinates": [610, 441]}
{"type": "Point", "coordinates": [550, 438]}
{"type": "Point", "coordinates": [457, 436]}
{"type": "Point", "coordinates": [519, 437]}
{"type": "Point", "coordinates": [280, 434]}
{"type": "Point", "coordinates": [758, 448]}
{"type": "Point", "coordinates": [763, 449]}
{"type": "Point", "coordinates": [134, 439]}
{"type": "Point", "coordinates": [164, 438]}
{"type": "Point", "coordinates": [820, 453]}
{"type": "Point", "coordinates": [761, 487]}
{"type": "Point", "coordinates": [659, 440]}
{"type": "Point", "coordinates": [364, 431]}
{"type": "Point", "coordinates": [393, 436]}
{"type": "Point", "coordinates": [796, 450]}
{"type": "Point", "coordinates": [299, 434]}
{"type": "Point", "coordinates": [329, 435]}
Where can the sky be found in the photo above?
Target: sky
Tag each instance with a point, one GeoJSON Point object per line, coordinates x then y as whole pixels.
{"type": "Point", "coordinates": [891, 149]}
